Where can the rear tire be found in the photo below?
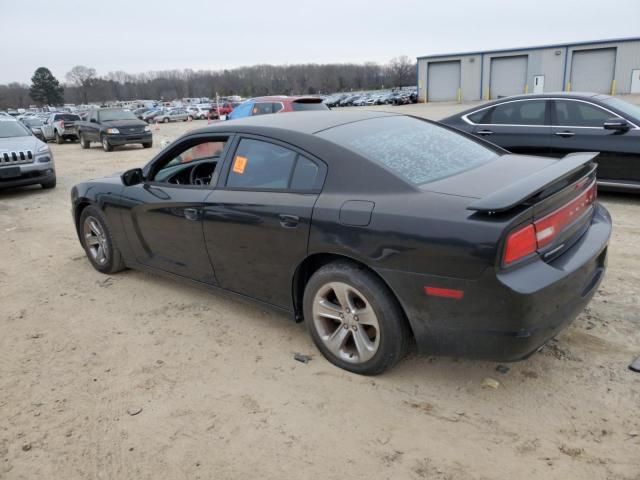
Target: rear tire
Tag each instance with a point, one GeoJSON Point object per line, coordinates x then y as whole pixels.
{"type": "Point", "coordinates": [147, 145]}
{"type": "Point", "coordinates": [354, 320]}
{"type": "Point", "coordinates": [98, 243]}
{"type": "Point", "coordinates": [84, 143]}
{"type": "Point", "coordinates": [165, 120]}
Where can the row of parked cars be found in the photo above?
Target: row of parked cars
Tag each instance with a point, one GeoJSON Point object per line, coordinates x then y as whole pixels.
{"type": "Point", "coordinates": [362, 99]}
{"type": "Point", "coordinates": [185, 113]}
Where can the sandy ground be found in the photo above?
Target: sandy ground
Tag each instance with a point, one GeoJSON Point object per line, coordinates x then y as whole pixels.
{"type": "Point", "coordinates": [133, 376]}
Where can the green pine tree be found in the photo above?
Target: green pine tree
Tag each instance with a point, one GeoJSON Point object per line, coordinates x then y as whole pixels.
{"type": "Point", "coordinates": [45, 88]}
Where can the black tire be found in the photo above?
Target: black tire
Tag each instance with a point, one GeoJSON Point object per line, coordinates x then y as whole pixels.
{"type": "Point", "coordinates": [49, 184]}
{"type": "Point", "coordinates": [147, 145]}
{"type": "Point", "coordinates": [106, 146]}
{"type": "Point", "coordinates": [59, 139]}
{"type": "Point", "coordinates": [114, 261]}
{"type": "Point", "coordinates": [165, 119]}
{"type": "Point", "coordinates": [84, 143]}
{"type": "Point", "coordinates": [393, 328]}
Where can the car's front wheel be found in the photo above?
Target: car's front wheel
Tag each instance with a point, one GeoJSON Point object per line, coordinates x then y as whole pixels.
{"type": "Point", "coordinates": [98, 242]}
{"type": "Point", "coordinates": [354, 320]}
{"type": "Point", "coordinates": [84, 143]}
{"type": "Point", "coordinates": [59, 139]}
{"type": "Point", "coordinates": [106, 146]}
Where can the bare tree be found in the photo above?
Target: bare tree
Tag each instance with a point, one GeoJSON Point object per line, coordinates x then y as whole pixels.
{"type": "Point", "coordinates": [402, 71]}
{"type": "Point", "coordinates": [82, 77]}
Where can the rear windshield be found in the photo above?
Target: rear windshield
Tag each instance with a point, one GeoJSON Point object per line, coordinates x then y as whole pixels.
{"type": "Point", "coordinates": [416, 150]}
{"type": "Point", "coordinates": [301, 106]}
{"type": "Point", "coordinates": [67, 117]}
{"type": "Point", "coordinates": [109, 115]}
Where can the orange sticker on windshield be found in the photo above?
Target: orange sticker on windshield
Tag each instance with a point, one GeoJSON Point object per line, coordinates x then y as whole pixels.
{"type": "Point", "coordinates": [239, 164]}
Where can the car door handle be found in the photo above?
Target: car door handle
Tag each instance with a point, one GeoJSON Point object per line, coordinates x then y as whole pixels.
{"type": "Point", "coordinates": [289, 221]}
{"type": "Point", "coordinates": [191, 214]}
{"type": "Point", "coordinates": [565, 134]}
{"type": "Point", "coordinates": [484, 132]}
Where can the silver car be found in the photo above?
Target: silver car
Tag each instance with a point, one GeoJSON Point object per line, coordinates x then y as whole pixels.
{"type": "Point", "coordinates": [173, 115]}
{"type": "Point", "coordinates": [24, 160]}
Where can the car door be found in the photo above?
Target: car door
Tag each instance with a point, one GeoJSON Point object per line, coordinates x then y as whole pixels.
{"type": "Point", "coordinates": [92, 127]}
{"type": "Point", "coordinates": [163, 220]}
{"type": "Point", "coordinates": [256, 224]}
{"type": "Point", "coordinates": [47, 128]}
{"type": "Point", "coordinates": [520, 126]}
{"type": "Point", "coordinates": [578, 126]}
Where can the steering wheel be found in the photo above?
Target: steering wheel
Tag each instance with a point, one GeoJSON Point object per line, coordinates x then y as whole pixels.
{"type": "Point", "coordinates": [194, 179]}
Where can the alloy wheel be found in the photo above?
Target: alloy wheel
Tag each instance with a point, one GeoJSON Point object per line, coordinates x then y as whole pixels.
{"type": "Point", "coordinates": [95, 240]}
{"type": "Point", "coordinates": [346, 322]}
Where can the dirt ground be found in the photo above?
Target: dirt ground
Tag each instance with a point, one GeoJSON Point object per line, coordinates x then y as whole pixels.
{"type": "Point", "coordinates": [133, 376]}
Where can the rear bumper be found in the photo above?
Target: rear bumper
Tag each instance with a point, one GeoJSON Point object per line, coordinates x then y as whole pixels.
{"type": "Point", "coordinates": [117, 140]}
{"type": "Point", "coordinates": [506, 316]}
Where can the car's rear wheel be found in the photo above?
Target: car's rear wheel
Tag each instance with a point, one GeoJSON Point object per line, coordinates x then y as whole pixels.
{"type": "Point", "coordinates": [166, 120]}
{"type": "Point", "coordinates": [354, 320]}
{"type": "Point", "coordinates": [106, 146]}
{"type": "Point", "coordinates": [147, 144]}
{"type": "Point", "coordinates": [84, 143]}
{"type": "Point", "coordinates": [98, 242]}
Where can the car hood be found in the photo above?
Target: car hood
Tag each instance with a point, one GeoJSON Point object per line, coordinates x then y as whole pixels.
{"type": "Point", "coordinates": [16, 144]}
{"type": "Point", "coordinates": [125, 123]}
{"type": "Point", "coordinates": [489, 177]}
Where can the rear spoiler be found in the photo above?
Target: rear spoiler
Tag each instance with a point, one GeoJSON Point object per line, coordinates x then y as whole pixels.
{"type": "Point", "coordinates": [530, 186]}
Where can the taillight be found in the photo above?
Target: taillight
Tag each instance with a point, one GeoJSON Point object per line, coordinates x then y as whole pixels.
{"type": "Point", "coordinates": [526, 240]}
{"type": "Point", "coordinates": [520, 244]}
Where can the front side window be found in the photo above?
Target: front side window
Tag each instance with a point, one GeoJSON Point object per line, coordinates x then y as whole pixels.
{"type": "Point", "coordinates": [580, 114]}
{"type": "Point", "coordinates": [415, 150]}
{"type": "Point", "coordinates": [193, 165]}
{"type": "Point", "coordinates": [517, 113]}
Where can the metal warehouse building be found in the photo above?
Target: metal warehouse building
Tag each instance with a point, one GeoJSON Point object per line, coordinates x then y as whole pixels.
{"type": "Point", "coordinates": [603, 66]}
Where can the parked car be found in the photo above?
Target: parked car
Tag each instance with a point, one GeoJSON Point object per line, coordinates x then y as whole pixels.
{"type": "Point", "coordinates": [173, 115]}
{"type": "Point", "coordinates": [139, 112]}
{"type": "Point", "coordinates": [266, 105]}
{"type": "Point", "coordinates": [60, 127]}
{"type": "Point", "coordinates": [114, 127]}
{"type": "Point", "coordinates": [24, 159]}
{"type": "Point", "coordinates": [373, 228]}
{"type": "Point", "coordinates": [35, 124]}
{"type": "Point", "coordinates": [224, 108]}
{"type": "Point", "coordinates": [558, 123]}
{"type": "Point", "coordinates": [150, 116]}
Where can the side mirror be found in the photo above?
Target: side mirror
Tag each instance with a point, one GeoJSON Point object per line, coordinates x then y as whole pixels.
{"type": "Point", "coordinates": [616, 123]}
{"type": "Point", "coordinates": [132, 177]}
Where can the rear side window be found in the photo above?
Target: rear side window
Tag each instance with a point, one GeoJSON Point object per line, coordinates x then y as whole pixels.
{"type": "Point", "coordinates": [415, 150]}
{"type": "Point", "coordinates": [518, 113]}
{"type": "Point", "coordinates": [580, 114]}
{"type": "Point", "coordinates": [266, 166]}
{"type": "Point", "coordinates": [262, 108]}
{"type": "Point", "coordinates": [301, 106]}
{"type": "Point", "coordinates": [478, 117]}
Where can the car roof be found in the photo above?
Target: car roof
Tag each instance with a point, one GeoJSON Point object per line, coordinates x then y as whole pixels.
{"type": "Point", "coordinates": [552, 94]}
{"type": "Point", "coordinates": [302, 122]}
{"type": "Point", "coordinates": [284, 98]}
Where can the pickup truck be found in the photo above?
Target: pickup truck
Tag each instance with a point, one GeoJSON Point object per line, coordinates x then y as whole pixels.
{"type": "Point", "coordinates": [60, 127]}
{"type": "Point", "coordinates": [113, 127]}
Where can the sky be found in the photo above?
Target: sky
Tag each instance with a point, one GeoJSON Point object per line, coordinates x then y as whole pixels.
{"type": "Point", "coordinates": [141, 35]}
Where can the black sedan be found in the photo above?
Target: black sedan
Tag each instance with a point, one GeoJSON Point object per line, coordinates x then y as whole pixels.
{"type": "Point", "coordinates": [559, 123]}
{"type": "Point", "coordinates": [375, 229]}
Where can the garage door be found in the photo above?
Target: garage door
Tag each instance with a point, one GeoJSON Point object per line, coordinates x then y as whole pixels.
{"type": "Point", "coordinates": [443, 81]}
{"type": "Point", "coordinates": [592, 70]}
{"type": "Point", "coordinates": [508, 76]}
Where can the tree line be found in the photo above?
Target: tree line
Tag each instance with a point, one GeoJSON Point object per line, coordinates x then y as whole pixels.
{"type": "Point", "coordinates": [83, 85]}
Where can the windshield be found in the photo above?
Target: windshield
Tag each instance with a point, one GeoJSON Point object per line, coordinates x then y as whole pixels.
{"type": "Point", "coordinates": [415, 150]}
{"type": "Point", "coordinates": [625, 107]}
{"type": "Point", "coordinates": [110, 115]}
{"type": "Point", "coordinates": [13, 129]}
